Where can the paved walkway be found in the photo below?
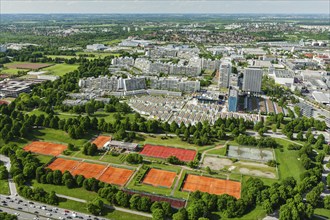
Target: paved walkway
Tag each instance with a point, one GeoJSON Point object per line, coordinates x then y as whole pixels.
{"type": "Point", "coordinates": [177, 182]}
{"type": "Point", "coordinates": [109, 206]}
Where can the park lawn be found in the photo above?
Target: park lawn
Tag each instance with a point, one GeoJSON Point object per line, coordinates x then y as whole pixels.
{"type": "Point", "coordinates": [321, 212]}
{"type": "Point", "coordinates": [60, 69]}
{"type": "Point", "coordinates": [173, 168]}
{"type": "Point", "coordinates": [289, 165]}
{"type": "Point", "coordinates": [120, 159]}
{"type": "Point", "coordinates": [81, 155]}
{"type": "Point", "coordinates": [169, 141]}
{"type": "Point", "coordinates": [119, 215]}
{"type": "Point", "coordinates": [44, 159]}
{"type": "Point", "coordinates": [79, 193]}
{"type": "Point", "coordinates": [109, 116]}
{"type": "Point", "coordinates": [148, 188]}
{"type": "Point", "coordinates": [12, 71]}
{"type": "Point", "coordinates": [109, 213]}
{"type": "Point", "coordinates": [221, 151]}
{"type": "Point", "coordinates": [256, 214]}
{"type": "Point", "coordinates": [36, 112]}
{"type": "Point", "coordinates": [99, 54]}
{"type": "Point", "coordinates": [4, 187]}
{"type": "Point", "coordinates": [58, 136]}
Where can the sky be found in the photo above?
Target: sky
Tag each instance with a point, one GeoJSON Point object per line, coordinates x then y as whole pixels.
{"type": "Point", "coordinates": [166, 6]}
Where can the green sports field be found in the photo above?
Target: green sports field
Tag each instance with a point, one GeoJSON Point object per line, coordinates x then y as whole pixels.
{"type": "Point", "coordinates": [60, 69]}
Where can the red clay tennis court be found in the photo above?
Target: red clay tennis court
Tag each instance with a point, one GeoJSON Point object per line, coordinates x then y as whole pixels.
{"type": "Point", "coordinates": [165, 152]}
{"type": "Point", "coordinates": [101, 140]}
{"type": "Point", "coordinates": [112, 175]}
{"type": "Point", "coordinates": [159, 178]}
{"type": "Point", "coordinates": [211, 185]}
{"type": "Point", "coordinates": [46, 148]}
{"type": "Point", "coordinates": [89, 170]}
{"type": "Point", "coordinates": [63, 165]}
{"type": "Point", "coordinates": [117, 176]}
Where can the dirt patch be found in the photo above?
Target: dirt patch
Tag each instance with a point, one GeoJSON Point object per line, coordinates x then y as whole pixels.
{"type": "Point", "coordinates": [32, 66]}
{"type": "Point", "coordinates": [253, 164]}
{"type": "Point", "coordinates": [256, 173]}
{"type": "Point", "coordinates": [216, 163]}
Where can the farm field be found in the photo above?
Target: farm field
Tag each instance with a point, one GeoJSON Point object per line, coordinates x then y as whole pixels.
{"type": "Point", "coordinates": [27, 65]}
{"type": "Point", "coordinates": [60, 69]}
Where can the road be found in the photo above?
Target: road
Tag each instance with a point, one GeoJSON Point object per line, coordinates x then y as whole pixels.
{"type": "Point", "coordinates": [21, 215]}
{"type": "Point", "coordinates": [12, 185]}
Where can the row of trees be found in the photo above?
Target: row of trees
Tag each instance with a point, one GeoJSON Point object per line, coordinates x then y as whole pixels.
{"type": "Point", "coordinates": [263, 142]}
{"type": "Point", "coordinates": [106, 191]}
{"type": "Point", "coordinates": [6, 216]}
{"type": "Point", "coordinates": [23, 169]}
{"type": "Point", "coordinates": [3, 172]}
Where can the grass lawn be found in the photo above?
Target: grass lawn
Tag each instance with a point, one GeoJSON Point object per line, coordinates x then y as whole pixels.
{"type": "Point", "coordinates": [148, 188]}
{"type": "Point", "coordinates": [109, 213]}
{"type": "Point", "coordinates": [58, 136]}
{"type": "Point", "coordinates": [220, 151]}
{"type": "Point", "coordinates": [321, 212]}
{"type": "Point", "coordinates": [79, 193]}
{"type": "Point", "coordinates": [44, 159]}
{"type": "Point", "coordinates": [176, 169]}
{"type": "Point", "coordinates": [11, 71]}
{"type": "Point", "coordinates": [256, 214]}
{"type": "Point", "coordinates": [118, 215]}
{"type": "Point", "coordinates": [81, 155]}
{"type": "Point", "coordinates": [99, 54]}
{"type": "Point", "coordinates": [289, 165]}
{"type": "Point", "coordinates": [60, 69]}
{"type": "Point", "coordinates": [4, 187]}
{"type": "Point", "coordinates": [120, 159]}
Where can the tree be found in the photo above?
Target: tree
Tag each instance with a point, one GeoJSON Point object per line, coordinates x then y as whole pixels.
{"type": "Point", "coordinates": [95, 207]}
{"type": "Point", "coordinates": [267, 206]}
{"type": "Point", "coordinates": [181, 215]}
{"type": "Point", "coordinates": [174, 160]}
{"type": "Point", "coordinates": [326, 202]}
{"type": "Point", "coordinates": [89, 108]}
{"type": "Point", "coordinates": [71, 147]}
{"type": "Point", "coordinates": [134, 201]}
{"type": "Point", "coordinates": [300, 136]}
{"type": "Point", "coordinates": [122, 199]}
{"type": "Point", "coordinates": [158, 214]}
{"type": "Point", "coordinates": [3, 173]}
{"type": "Point", "coordinates": [134, 158]}
{"type": "Point", "coordinates": [144, 204]}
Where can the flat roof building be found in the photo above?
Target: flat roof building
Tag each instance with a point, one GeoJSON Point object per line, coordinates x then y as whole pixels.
{"type": "Point", "coordinates": [252, 80]}
{"type": "Point", "coordinates": [224, 74]}
{"type": "Point", "coordinates": [232, 101]}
